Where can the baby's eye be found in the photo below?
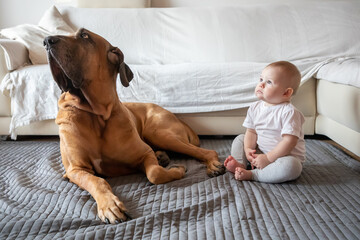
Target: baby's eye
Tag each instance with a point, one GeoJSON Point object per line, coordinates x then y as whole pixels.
{"type": "Point", "coordinates": [269, 82]}
{"type": "Point", "coordinates": [261, 79]}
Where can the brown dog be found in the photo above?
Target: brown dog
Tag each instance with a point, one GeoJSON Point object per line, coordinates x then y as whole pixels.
{"type": "Point", "coordinates": [100, 135]}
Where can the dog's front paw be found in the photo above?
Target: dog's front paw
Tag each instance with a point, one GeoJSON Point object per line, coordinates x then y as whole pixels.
{"type": "Point", "coordinates": [177, 170]}
{"type": "Point", "coordinates": [112, 210]}
{"type": "Point", "coordinates": [214, 166]}
{"type": "Point", "coordinates": [215, 169]}
{"type": "Point", "coordinates": [180, 167]}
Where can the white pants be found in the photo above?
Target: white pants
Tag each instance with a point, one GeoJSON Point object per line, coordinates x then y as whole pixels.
{"type": "Point", "coordinates": [284, 169]}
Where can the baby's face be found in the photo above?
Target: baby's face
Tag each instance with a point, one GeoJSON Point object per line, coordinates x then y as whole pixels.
{"type": "Point", "coordinates": [272, 86]}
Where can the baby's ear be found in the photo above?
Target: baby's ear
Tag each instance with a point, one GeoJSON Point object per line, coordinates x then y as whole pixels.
{"type": "Point", "coordinates": [288, 92]}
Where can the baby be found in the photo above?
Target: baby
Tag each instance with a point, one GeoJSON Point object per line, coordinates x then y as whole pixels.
{"type": "Point", "coordinates": [274, 140]}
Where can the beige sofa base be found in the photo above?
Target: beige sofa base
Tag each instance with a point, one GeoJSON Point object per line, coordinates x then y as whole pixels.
{"type": "Point", "coordinates": [46, 127]}
{"type": "Point", "coordinates": [339, 133]}
{"type": "Point", "coordinates": [339, 114]}
{"type": "Point", "coordinates": [203, 124]}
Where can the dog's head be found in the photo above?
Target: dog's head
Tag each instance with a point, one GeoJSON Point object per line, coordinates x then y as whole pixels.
{"type": "Point", "coordinates": [84, 59]}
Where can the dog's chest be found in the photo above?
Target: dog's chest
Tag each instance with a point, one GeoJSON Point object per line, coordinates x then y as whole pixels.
{"type": "Point", "coordinates": [108, 167]}
{"type": "Point", "coordinates": [127, 150]}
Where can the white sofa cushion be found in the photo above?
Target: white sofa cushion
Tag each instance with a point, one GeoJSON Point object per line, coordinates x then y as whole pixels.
{"type": "Point", "coordinates": [226, 34]}
{"type": "Point", "coordinates": [346, 71]}
{"type": "Point", "coordinates": [32, 36]}
{"type": "Point", "coordinates": [113, 3]}
{"type": "Point", "coordinates": [218, 3]}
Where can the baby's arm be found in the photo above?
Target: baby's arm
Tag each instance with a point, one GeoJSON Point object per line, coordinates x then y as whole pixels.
{"type": "Point", "coordinates": [283, 148]}
{"type": "Point", "coordinates": [250, 143]}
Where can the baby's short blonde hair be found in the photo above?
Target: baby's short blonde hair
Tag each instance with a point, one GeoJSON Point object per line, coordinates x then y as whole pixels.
{"type": "Point", "coordinates": [293, 72]}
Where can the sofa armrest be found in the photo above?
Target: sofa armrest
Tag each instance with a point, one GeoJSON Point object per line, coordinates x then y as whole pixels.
{"type": "Point", "coordinates": [15, 54]}
{"type": "Point", "coordinates": [5, 109]}
{"type": "Point", "coordinates": [3, 67]}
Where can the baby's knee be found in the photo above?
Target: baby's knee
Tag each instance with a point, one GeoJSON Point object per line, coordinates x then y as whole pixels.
{"type": "Point", "coordinates": [293, 167]}
{"type": "Point", "coordinates": [239, 139]}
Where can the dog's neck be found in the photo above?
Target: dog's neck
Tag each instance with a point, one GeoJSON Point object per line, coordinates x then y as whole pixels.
{"type": "Point", "coordinates": [101, 99]}
{"type": "Point", "coordinates": [102, 109]}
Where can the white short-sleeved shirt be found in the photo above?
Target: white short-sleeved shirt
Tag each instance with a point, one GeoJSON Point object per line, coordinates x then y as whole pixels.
{"type": "Point", "coordinates": [271, 122]}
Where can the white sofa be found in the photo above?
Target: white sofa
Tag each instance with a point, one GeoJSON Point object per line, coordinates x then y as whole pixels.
{"type": "Point", "coordinates": [203, 63]}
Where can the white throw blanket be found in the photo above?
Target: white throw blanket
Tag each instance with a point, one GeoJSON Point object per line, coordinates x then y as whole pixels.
{"type": "Point", "coordinates": [180, 88]}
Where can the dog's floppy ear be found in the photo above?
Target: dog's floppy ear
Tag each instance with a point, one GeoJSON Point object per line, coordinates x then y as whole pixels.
{"type": "Point", "coordinates": [126, 75]}
{"type": "Point", "coordinates": [116, 57]}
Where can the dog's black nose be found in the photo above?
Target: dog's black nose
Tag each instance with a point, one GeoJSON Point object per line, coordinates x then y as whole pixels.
{"type": "Point", "coordinates": [51, 40]}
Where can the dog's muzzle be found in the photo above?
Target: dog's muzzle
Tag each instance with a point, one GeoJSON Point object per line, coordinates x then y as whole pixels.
{"type": "Point", "coordinates": [49, 41]}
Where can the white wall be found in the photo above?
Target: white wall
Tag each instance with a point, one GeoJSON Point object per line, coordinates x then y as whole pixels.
{"type": "Point", "coordinates": [15, 12]}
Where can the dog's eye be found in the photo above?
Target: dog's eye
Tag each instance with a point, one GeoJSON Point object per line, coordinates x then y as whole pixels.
{"type": "Point", "coordinates": [84, 35]}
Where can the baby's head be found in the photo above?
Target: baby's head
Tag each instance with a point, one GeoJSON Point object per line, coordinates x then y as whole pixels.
{"type": "Point", "coordinates": [279, 81]}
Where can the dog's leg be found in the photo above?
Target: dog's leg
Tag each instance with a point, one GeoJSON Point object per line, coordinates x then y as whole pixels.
{"type": "Point", "coordinates": [156, 174]}
{"type": "Point", "coordinates": [163, 158]}
{"type": "Point", "coordinates": [177, 143]}
{"type": "Point", "coordinates": [80, 172]}
{"type": "Point", "coordinates": [208, 157]}
{"type": "Point", "coordinates": [110, 208]}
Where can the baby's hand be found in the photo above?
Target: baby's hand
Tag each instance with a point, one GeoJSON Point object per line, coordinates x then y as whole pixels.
{"type": "Point", "coordinates": [260, 161]}
{"type": "Point", "coordinates": [250, 154]}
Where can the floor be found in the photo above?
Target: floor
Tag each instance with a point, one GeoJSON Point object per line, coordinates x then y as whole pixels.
{"type": "Point", "coordinates": [322, 204]}
{"type": "Point", "coordinates": [344, 149]}
{"type": "Point", "coordinates": [328, 140]}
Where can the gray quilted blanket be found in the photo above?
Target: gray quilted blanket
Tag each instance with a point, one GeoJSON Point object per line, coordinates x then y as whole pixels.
{"type": "Point", "coordinates": [37, 203]}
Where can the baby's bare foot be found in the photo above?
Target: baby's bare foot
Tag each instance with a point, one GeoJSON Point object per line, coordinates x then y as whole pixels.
{"type": "Point", "coordinates": [231, 164]}
{"type": "Point", "coordinates": [243, 174]}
